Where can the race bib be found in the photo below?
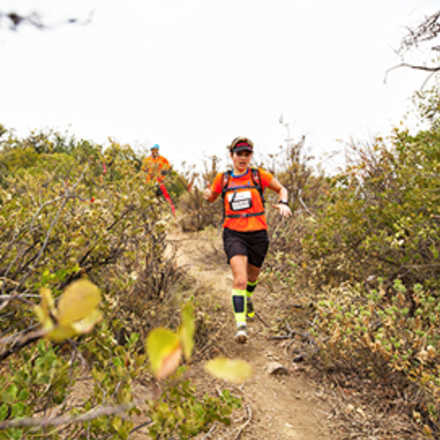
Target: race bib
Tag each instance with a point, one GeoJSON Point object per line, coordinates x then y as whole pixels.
{"type": "Point", "coordinates": [239, 201]}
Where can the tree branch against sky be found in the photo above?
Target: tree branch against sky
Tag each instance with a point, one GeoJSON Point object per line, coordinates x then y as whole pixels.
{"type": "Point", "coordinates": [425, 36]}
{"type": "Point", "coordinates": [427, 30]}
{"type": "Point", "coordinates": [172, 69]}
{"type": "Point", "coordinates": [15, 20]}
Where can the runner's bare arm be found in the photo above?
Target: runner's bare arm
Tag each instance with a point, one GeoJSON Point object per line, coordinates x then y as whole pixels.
{"type": "Point", "coordinates": [282, 205]}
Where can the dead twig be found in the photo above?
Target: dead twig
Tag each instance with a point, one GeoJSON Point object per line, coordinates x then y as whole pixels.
{"type": "Point", "coordinates": [136, 428]}
{"type": "Point", "coordinates": [16, 297]}
{"type": "Point", "coordinates": [303, 204]}
{"type": "Point", "coordinates": [211, 430]}
{"type": "Point", "coordinates": [291, 334]}
{"type": "Point", "coordinates": [261, 319]}
{"type": "Point", "coordinates": [249, 419]}
{"type": "Point", "coordinates": [19, 343]}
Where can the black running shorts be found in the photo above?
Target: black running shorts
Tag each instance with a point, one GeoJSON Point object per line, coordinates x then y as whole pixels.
{"type": "Point", "coordinates": [252, 244]}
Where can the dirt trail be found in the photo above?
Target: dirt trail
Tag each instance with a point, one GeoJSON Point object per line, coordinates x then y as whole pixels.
{"type": "Point", "coordinates": [275, 407]}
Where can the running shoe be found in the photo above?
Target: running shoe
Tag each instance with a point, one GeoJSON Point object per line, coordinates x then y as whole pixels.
{"type": "Point", "coordinates": [241, 335]}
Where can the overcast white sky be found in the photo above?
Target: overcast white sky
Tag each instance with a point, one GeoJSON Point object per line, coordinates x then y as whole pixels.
{"type": "Point", "coordinates": [193, 74]}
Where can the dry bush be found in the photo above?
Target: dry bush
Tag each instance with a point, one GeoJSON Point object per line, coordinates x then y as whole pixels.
{"type": "Point", "coordinates": [373, 249]}
{"type": "Point", "coordinates": [62, 217]}
{"type": "Point", "coordinates": [197, 213]}
{"type": "Point", "coordinates": [307, 195]}
{"type": "Point", "coordinates": [360, 258]}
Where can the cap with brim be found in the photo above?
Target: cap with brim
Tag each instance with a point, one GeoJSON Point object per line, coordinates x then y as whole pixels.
{"type": "Point", "coordinates": [242, 146]}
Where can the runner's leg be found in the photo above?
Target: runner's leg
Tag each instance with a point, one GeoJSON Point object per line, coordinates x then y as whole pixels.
{"type": "Point", "coordinates": [239, 273]}
{"type": "Point", "coordinates": [253, 272]}
{"type": "Point", "coordinates": [258, 246]}
{"type": "Point", "coordinates": [167, 197]}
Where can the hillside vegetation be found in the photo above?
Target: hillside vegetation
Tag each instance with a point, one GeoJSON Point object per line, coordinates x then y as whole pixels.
{"type": "Point", "coordinates": [362, 249]}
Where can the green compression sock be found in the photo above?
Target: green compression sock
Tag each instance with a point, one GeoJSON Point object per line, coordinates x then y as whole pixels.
{"type": "Point", "coordinates": [239, 306]}
{"type": "Point", "coordinates": [250, 288]}
{"type": "Point", "coordinates": [249, 305]}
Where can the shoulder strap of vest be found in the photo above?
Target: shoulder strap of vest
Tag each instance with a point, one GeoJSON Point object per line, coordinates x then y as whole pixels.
{"type": "Point", "coordinates": [225, 181]}
{"type": "Point", "coordinates": [256, 178]}
{"type": "Point", "coordinates": [255, 173]}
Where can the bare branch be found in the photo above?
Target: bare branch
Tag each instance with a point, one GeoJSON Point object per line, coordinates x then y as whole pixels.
{"type": "Point", "coordinates": [69, 193]}
{"type": "Point", "coordinates": [427, 80]}
{"type": "Point", "coordinates": [136, 428]}
{"type": "Point", "coordinates": [67, 420]}
{"type": "Point", "coordinates": [211, 430]}
{"type": "Point", "coordinates": [301, 201]}
{"type": "Point", "coordinates": [19, 342]}
{"type": "Point", "coordinates": [433, 71]}
{"type": "Point", "coordinates": [16, 297]}
{"type": "Point", "coordinates": [413, 66]}
{"type": "Point", "coordinates": [34, 19]}
{"type": "Point", "coordinates": [249, 419]}
{"type": "Point", "coordinates": [427, 30]}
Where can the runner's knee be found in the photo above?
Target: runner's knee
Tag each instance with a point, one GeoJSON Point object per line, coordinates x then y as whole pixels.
{"type": "Point", "coordinates": [240, 282]}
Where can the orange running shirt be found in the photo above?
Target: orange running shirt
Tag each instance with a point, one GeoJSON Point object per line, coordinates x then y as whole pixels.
{"type": "Point", "coordinates": [244, 224]}
{"type": "Point", "coordinates": [153, 167]}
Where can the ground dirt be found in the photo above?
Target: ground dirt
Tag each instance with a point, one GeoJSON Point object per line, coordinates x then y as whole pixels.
{"type": "Point", "coordinates": [286, 405]}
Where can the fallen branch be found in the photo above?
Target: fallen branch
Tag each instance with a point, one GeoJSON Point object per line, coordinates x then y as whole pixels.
{"type": "Point", "coordinates": [211, 430]}
{"type": "Point", "coordinates": [67, 420]}
{"type": "Point", "coordinates": [19, 342]}
{"type": "Point", "coordinates": [136, 428]}
{"type": "Point", "coordinates": [261, 319]}
{"type": "Point", "coordinates": [242, 428]}
{"type": "Point", "coordinates": [306, 337]}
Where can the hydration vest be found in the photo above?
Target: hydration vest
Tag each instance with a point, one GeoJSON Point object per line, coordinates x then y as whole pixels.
{"type": "Point", "coordinates": [236, 203]}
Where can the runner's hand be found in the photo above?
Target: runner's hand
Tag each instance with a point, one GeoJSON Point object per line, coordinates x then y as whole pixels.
{"type": "Point", "coordinates": [283, 209]}
{"type": "Point", "coordinates": [207, 194]}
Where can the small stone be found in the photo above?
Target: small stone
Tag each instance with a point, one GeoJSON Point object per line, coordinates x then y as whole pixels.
{"type": "Point", "coordinates": [298, 358]}
{"type": "Point", "coordinates": [276, 368]}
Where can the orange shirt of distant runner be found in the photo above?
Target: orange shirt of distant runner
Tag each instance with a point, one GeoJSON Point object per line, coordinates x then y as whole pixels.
{"type": "Point", "coordinates": [154, 166]}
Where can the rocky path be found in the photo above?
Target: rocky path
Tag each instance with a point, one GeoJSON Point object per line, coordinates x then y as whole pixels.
{"type": "Point", "coordinates": [282, 405]}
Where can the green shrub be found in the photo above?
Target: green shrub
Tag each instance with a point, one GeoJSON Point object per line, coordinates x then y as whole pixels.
{"type": "Point", "coordinates": [373, 249]}
{"type": "Point", "coordinates": [64, 215]}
